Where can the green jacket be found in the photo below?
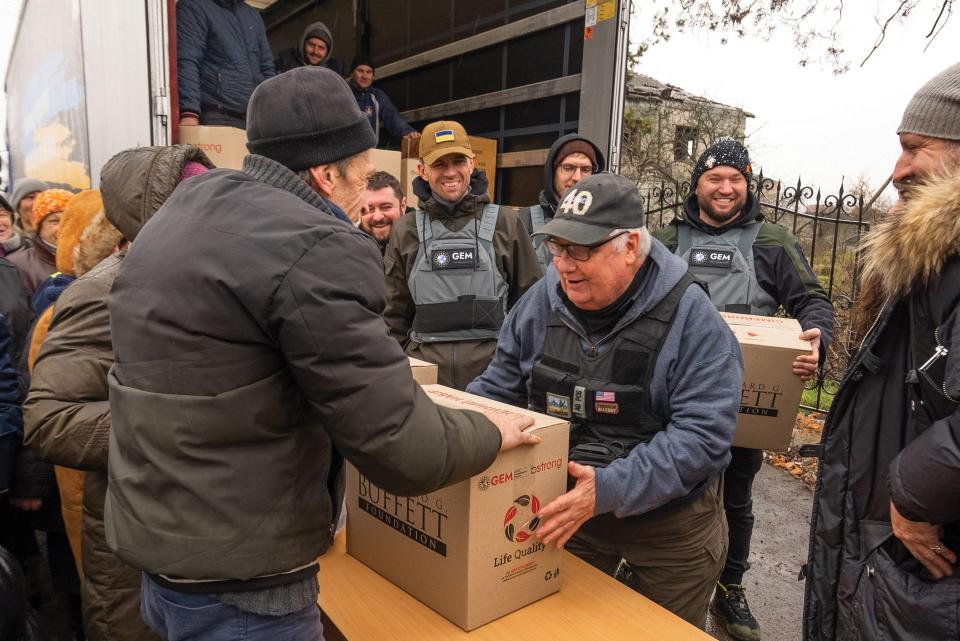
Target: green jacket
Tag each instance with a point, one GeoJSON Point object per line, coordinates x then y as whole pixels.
{"type": "Point", "coordinates": [251, 359]}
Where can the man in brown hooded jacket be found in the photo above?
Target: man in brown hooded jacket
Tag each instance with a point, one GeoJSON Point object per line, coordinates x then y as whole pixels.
{"type": "Point", "coordinates": [67, 413]}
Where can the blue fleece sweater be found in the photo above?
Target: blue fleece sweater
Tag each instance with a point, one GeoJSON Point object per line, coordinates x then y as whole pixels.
{"type": "Point", "coordinates": [696, 384]}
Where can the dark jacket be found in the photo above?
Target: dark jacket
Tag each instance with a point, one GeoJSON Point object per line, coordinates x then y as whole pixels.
{"type": "Point", "coordinates": [380, 109]}
{"type": "Point", "coordinates": [68, 410]}
{"type": "Point", "coordinates": [14, 324]}
{"type": "Point", "coordinates": [222, 54]}
{"type": "Point", "coordinates": [293, 57]}
{"type": "Point", "coordinates": [548, 199]}
{"type": "Point", "coordinates": [893, 433]}
{"type": "Point", "coordinates": [781, 268]}
{"type": "Point", "coordinates": [35, 264]}
{"type": "Point", "coordinates": [11, 422]}
{"type": "Point", "coordinates": [459, 362]}
{"type": "Point", "coordinates": [251, 358]}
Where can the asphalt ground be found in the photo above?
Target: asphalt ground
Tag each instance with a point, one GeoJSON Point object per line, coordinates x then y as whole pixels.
{"type": "Point", "coordinates": [781, 506]}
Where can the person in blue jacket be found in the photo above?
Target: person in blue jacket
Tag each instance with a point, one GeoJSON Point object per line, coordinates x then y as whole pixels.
{"type": "Point", "coordinates": [375, 103]}
{"type": "Point", "coordinates": [622, 342]}
{"type": "Point", "coordinates": [222, 55]}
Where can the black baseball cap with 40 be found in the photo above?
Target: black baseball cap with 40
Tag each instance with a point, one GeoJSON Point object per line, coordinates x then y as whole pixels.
{"type": "Point", "coordinates": [594, 208]}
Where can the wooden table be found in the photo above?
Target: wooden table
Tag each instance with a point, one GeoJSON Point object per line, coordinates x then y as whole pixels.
{"type": "Point", "coordinates": [360, 605]}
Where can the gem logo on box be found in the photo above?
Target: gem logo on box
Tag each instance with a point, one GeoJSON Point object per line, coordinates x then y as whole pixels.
{"type": "Point", "coordinates": [521, 521]}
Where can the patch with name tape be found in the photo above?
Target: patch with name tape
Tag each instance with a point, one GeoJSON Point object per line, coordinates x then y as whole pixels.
{"type": "Point", "coordinates": [601, 407]}
{"type": "Point", "coordinates": [711, 257]}
{"type": "Point", "coordinates": [558, 405]}
{"type": "Point", "coordinates": [457, 258]}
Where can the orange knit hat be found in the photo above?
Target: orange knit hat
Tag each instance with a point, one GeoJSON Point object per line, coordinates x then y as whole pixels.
{"type": "Point", "coordinates": [49, 202]}
{"type": "Point", "coordinates": [86, 236]}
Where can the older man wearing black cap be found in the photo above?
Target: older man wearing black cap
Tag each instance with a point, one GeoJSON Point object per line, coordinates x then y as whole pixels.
{"type": "Point", "coordinates": [885, 530]}
{"type": "Point", "coordinates": [622, 342]}
{"type": "Point", "coordinates": [251, 359]}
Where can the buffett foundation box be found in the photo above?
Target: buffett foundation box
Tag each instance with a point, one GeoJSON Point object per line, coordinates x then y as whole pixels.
{"type": "Point", "coordinates": [468, 551]}
{"type": "Point", "coordinates": [770, 395]}
{"type": "Point", "coordinates": [423, 372]}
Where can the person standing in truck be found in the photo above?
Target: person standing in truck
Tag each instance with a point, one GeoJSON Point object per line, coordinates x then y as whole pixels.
{"type": "Point", "coordinates": [314, 48]}
{"type": "Point", "coordinates": [222, 55]}
{"type": "Point", "coordinates": [380, 110]}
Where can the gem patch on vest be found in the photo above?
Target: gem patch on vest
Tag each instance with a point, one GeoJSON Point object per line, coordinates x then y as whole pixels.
{"type": "Point", "coordinates": [711, 257]}
{"type": "Point", "coordinates": [453, 258]}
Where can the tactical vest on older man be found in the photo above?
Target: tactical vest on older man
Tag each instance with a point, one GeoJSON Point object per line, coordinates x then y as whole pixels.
{"type": "Point", "coordinates": [605, 391]}
{"type": "Point", "coordinates": [725, 263]}
{"type": "Point", "coordinates": [459, 293]}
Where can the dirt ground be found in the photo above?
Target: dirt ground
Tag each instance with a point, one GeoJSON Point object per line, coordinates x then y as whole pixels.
{"type": "Point", "coordinates": [782, 498]}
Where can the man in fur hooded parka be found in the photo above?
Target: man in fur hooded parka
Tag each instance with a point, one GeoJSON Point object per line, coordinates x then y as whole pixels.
{"type": "Point", "coordinates": [885, 530]}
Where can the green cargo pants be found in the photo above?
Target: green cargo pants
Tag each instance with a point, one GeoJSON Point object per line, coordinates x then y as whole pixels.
{"type": "Point", "coordinates": [675, 558]}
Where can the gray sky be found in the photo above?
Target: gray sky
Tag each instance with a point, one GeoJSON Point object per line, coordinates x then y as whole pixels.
{"type": "Point", "coordinates": [808, 121]}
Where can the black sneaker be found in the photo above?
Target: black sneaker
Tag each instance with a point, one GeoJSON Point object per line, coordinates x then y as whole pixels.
{"type": "Point", "coordinates": [730, 606]}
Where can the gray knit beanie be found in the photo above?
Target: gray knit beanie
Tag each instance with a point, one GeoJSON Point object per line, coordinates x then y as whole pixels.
{"type": "Point", "coordinates": [306, 117]}
{"type": "Point", "coordinates": [935, 109]}
{"type": "Point", "coordinates": [24, 186]}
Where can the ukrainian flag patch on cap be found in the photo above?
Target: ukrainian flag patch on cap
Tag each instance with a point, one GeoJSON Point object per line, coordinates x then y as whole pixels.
{"type": "Point", "coordinates": [444, 135]}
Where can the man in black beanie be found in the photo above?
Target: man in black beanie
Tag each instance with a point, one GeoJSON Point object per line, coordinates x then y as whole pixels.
{"type": "Point", "coordinates": [251, 360]}
{"type": "Point", "coordinates": [751, 266]}
{"type": "Point", "coordinates": [375, 102]}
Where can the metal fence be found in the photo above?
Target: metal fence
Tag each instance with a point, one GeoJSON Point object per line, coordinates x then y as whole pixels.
{"type": "Point", "coordinates": [827, 227]}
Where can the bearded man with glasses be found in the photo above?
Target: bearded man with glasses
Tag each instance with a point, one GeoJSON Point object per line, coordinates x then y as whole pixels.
{"type": "Point", "coordinates": [623, 342]}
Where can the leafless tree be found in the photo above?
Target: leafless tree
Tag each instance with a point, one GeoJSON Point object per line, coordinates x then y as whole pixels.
{"type": "Point", "coordinates": [812, 23]}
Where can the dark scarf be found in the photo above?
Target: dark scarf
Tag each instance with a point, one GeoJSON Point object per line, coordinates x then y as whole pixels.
{"type": "Point", "coordinates": [599, 322]}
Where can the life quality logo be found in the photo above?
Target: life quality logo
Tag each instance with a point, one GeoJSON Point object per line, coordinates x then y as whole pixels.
{"type": "Point", "coordinates": [521, 521]}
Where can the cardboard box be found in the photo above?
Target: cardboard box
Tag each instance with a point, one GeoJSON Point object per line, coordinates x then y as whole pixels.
{"type": "Point", "coordinates": [388, 161]}
{"type": "Point", "coordinates": [485, 150]}
{"type": "Point", "coordinates": [408, 171]}
{"type": "Point", "coordinates": [486, 159]}
{"type": "Point", "coordinates": [771, 391]}
{"type": "Point", "coordinates": [423, 372]}
{"type": "Point", "coordinates": [468, 551]}
{"type": "Point", "coordinates": [227, 147]}
{"type": "Point", "coordinates": [224, 146]}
